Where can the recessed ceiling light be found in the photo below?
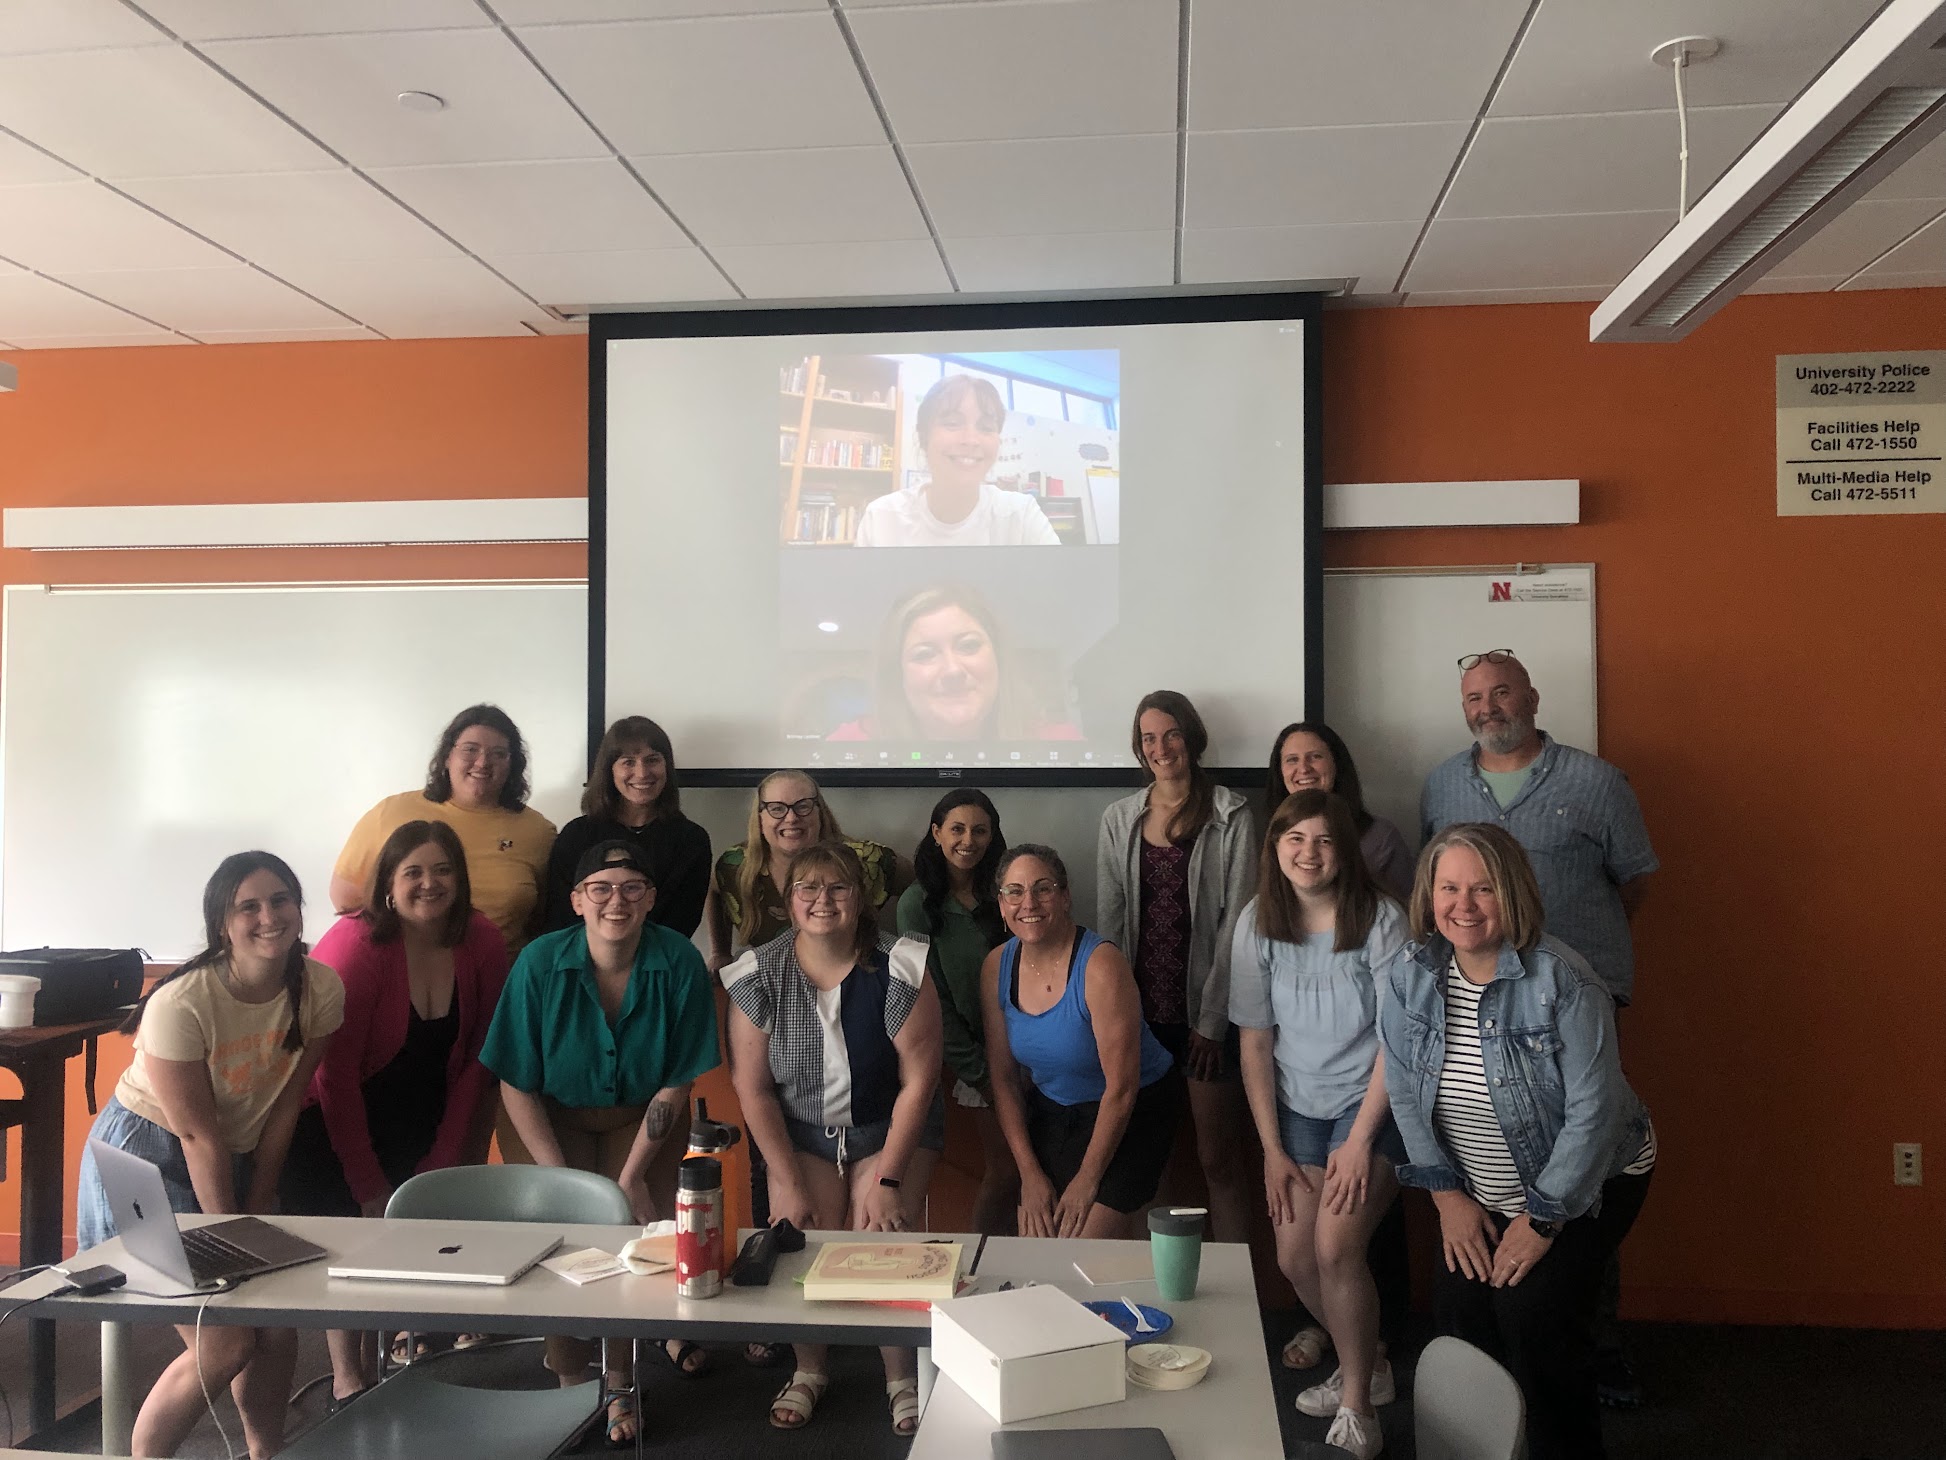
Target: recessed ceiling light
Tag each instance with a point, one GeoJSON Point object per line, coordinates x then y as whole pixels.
{"type": "Point", "coordinates": [828, 627]}
{"type": "Point", "coordinates": [421, 101]}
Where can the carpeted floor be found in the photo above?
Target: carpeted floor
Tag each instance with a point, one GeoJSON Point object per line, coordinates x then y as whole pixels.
{"type": "Point", "coordinates": [1716, 1393]}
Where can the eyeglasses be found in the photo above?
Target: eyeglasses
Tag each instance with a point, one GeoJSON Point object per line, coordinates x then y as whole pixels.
{"type": "Point", "coordinates": [1013, 893]}
{"type": "Point", "coordinates": [1492, 656]}
{"type": "Point", "coordinates": [810, 892]}
{"type": "Point", "coordinates": [778, 810]}
{"type": "Point", "coordinates": [493, 755]}
{"type": "Point", "coordinates": [600, 892]}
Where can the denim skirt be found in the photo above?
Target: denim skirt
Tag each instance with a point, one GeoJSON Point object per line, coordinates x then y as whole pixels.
{"type": "Point", "coordinates": [122, 1128]}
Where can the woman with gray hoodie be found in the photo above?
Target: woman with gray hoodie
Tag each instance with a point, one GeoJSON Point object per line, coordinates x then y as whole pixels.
{"type": "Point", "coordinates": [1175, 865]}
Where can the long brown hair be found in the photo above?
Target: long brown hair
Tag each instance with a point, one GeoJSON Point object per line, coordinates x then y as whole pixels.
{"type": "Point", "coordinates": [382, 918]}
{"type": "Point", "coordinates": [218, 893]}
{"type": "Point", "coordinates": [632, 734]}
{"type": "Point", "coordinates": [1279, 916]}
{"type": "Point", "coordinates": [756, 851]}
{"type": "Point", "coordinates": [1194, 814]}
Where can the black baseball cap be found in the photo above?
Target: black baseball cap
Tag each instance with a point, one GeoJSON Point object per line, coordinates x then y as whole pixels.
{"type": "Point", "coordinates": [612, 853]}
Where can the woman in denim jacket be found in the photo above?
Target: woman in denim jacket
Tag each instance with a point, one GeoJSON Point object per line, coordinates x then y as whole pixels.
{"type": "Point", "coordinates": [1502, 1069]}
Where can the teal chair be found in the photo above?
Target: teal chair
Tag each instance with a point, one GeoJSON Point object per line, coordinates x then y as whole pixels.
{"type": "Point", "coordinates": [413, 1414]}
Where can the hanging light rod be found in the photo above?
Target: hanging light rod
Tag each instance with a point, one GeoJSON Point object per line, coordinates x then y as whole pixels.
{"type": "Point", "coordinates": [1878, 103]}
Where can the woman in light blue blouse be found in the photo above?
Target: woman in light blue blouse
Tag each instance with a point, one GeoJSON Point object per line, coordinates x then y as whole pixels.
{"type": "Point", "coordinates": [1303, 996]}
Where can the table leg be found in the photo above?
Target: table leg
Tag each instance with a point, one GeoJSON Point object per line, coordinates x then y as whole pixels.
{"type": "Point", "coordinates": [117, 1388]}
{"type": "Point", "coordinates": [42, 1158]}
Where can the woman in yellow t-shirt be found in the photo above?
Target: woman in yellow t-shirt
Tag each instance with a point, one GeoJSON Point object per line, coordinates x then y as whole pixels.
{"type": "Point", "coordinates": [224, 1050]}
{"type": "Point", "coordinates": [477, 785]}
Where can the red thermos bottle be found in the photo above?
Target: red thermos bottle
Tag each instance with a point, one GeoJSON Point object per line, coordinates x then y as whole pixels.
{"type": "Point", "coordinates": [700, 1264]}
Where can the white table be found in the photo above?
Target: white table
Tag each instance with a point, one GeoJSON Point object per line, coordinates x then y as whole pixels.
{"type": "Point", "coordinates": [540, 1303]}
{"type": "Point", "coordinates": [1231, 1415]}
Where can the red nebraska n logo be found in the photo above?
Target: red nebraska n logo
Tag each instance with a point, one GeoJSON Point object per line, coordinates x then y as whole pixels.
{"type": "Point", "coordinates": [1500, 593]}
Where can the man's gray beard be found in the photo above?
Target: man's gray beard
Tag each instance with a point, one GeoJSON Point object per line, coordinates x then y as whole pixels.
{"type": "Point", "coordinates": [1507, 738]}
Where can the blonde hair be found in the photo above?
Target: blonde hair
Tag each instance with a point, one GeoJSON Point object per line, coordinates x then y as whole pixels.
{"type": "Point", "coordinates": [756, 851]}
{"type": "Point", "coordinates": [1508, 872]}
{"type": "Point", "coordinates": [836, 859]}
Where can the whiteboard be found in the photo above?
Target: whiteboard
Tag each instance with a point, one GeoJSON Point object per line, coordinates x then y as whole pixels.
{"type": "Point", "coordinates": [146, 733]}
{"type": "Point", "coordinates": [1391, 687]}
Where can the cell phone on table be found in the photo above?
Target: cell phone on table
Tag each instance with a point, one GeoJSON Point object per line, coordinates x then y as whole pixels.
{"type": "Point", "coordinates": [89, 1280]}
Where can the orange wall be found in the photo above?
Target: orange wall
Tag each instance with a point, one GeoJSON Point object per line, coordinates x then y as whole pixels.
{"type": "Point", "coordinates": [1775, 687]}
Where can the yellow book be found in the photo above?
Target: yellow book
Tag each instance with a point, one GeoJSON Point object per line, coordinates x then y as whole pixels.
{"type": "Point", "coordinates": [882, 1272]}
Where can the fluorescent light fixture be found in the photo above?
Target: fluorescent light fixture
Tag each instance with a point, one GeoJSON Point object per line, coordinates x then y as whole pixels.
{"type": "Point", "coordinates": [1874, 106]}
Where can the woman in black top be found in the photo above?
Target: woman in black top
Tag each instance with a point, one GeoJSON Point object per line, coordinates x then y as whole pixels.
{"type": "Point", "coordinates": [632, 796]}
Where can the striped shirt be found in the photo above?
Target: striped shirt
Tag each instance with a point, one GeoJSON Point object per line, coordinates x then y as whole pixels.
{"type": "Point", "coordinates": [1463, 1114]}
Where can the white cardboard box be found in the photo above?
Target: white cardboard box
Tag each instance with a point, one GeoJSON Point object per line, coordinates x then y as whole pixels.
{"type": "Point", "coordinates": [1029, 1352]}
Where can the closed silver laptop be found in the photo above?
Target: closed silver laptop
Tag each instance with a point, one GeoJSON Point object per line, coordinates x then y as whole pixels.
{"type": "Point", "coordinates": [490, 1255]}
{"type": "Point", "coordinates": [239, 1248]}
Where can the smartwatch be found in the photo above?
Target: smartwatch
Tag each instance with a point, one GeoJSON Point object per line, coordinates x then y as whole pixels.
{"type": "Point", "coordinates": [1547, 1230]}
{"type": "Point", "coordinates": [891, 1181]}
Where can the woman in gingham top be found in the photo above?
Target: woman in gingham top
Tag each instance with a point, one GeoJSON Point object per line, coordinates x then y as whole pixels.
{"type": "Point", "coordinates": [836, 1047]}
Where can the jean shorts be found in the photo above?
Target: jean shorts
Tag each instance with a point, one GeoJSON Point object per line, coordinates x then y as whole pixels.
{"type": "Point", "coordinates": [843, 1144]}
{"type": "Point", "coordinates": [1309, 1141]}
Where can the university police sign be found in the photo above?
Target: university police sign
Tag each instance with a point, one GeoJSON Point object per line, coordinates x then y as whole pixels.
{"type": "Point", "coordinates": [1861, 433]}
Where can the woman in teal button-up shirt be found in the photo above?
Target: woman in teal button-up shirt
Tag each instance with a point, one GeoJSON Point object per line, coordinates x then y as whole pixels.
{"type": "Point", "coordinates": [599, 1034]}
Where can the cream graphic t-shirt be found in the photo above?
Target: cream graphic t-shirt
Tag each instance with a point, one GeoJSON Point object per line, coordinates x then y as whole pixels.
{"type": "Point", "coordinates": [196, 1017]}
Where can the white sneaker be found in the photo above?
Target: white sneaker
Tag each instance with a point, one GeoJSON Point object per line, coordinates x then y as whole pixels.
{"type": "Point", "coordinates": [1322, 1400]}
{"type": "Point", "coordinates": [1356, 1434]}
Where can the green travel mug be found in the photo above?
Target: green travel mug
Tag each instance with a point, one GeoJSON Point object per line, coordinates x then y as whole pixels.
{"type": "Point", "coordinates": [1176, 1248]}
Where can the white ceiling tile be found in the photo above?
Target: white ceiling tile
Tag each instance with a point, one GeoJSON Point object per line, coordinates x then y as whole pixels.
{"type": "Point", "coordinates": [1923, 175]}
{"type": "Point", "coordinates": [198, 300]}
{"type": "Point", "coordinates": [1857, 236]}
{"type": "Point", "coordinates": [1451, 297]}
{"type": "Point", "coordinates": [1873, 279]}
{"type": "Point", "coordinates": [152, 111]}
{"type": "Point", "coordinates": [111, 341]}
{"type": "Point", "coordinates": [744, 84]}
{"type": "Point", "coordinates": [633, 276]}
{"type": "Point", "coordinates": [416, 296]}
{"type": "Point", "coordinates": [558, 12]}
{"type": "Point", "coordinates": [1923, 255]}
{"type": "Point", "coordinates": [71, 25]}
{"type": "Point", "coordinates": [1063, 261]}
{"type": "Point", "coordinates": [1805, 284]}
{"type": "Point", "coordinates": [211, 20]}
{"type": "Point", "coordinates": [345, 88]}
{"type": "Point", "coordinates": [83, 226]}
{"type": "Point", "coordinates": [811, 195]}
{"type": "Point", "coordinates": [1617, 162]}
{"type": "Point", "coordinates": [1055, 185]}
{"type": "Point", "coordinates": [32, 307]}
{"type": "Point", "coordinates": [1318, 175]}
{"type": "Point", "coordinates": [536, 207]}
{"type": "Point", "coordinates": [1578, 251]}
{"type": "Point", "coordinates": [1593, 55]}
{"type": "Point", "coordinates": [255, 337]}
{"type": "Point", "coordinates": [20, 163]}
{"type": "Point", "coordinates": [1314, 63]}
{"type": "Point", "coordinates": [1370, 253]}
{"type": "Point", "coordinates": [275, 216]}
{"type": "Point", "coordinates": [1080, 68]}
{"type": "Point", "coordinates": [823, 270]}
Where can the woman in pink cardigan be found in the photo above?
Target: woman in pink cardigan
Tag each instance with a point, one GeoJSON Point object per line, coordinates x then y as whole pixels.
{"type": "Point", "coordinates": [402, 1089]}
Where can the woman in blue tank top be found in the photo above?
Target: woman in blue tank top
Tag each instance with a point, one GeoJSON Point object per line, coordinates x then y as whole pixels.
{"type": "Point", "coordinates": [1091, 1125]}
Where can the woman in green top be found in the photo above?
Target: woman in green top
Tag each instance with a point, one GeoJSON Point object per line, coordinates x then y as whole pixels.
{"type": "Point", "coordinates": [746, 906]}
{"type": "Point", "coordinates": [952, 902]}
{"type": "Point", "coordinates": [599, 1033]}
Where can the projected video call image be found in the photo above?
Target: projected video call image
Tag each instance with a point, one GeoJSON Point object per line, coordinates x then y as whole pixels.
{"type": "Point", "coordinates": [989, 449]}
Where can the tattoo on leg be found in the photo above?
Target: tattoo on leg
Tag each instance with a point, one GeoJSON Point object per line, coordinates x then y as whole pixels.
{"type": "Point", "coordinates": [661, 1118]}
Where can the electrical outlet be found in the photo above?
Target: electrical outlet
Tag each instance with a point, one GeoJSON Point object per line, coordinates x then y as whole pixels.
{"type": "Point", "coordinates": [1906, 1168]}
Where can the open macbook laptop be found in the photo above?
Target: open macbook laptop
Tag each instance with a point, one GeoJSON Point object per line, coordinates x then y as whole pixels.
{"type": "Point", "coordinates": [239, 1248]}
{"type": "Point", "coordinates": [447, 1252]}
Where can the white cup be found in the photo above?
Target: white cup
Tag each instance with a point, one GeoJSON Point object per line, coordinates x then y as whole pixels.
{"type": "Point", "coordinates": [17, 992]}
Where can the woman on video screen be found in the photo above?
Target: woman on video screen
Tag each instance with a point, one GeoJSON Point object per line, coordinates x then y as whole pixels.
{"type": "Point", "coordinates": [958, 425]}
{"type": "Point", "coordinates": [942, 674]}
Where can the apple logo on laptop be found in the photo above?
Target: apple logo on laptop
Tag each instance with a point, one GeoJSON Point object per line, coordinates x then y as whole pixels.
{"type": "Point", "coordinates": [449, 1251]}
